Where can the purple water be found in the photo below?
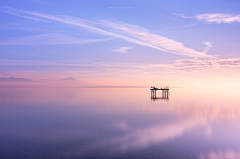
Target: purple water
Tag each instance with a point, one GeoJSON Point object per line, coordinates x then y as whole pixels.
{"type": "Point", "coordinates": [117, 123]}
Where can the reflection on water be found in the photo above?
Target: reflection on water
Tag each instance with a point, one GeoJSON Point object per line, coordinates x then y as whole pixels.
{"type": "Point", "coordinates": [159, 98]}
{"type": "Point", "coordinates": [117, 123]}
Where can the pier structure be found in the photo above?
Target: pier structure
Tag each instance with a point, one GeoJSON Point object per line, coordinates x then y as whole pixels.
{"type": "Point", "coordinates": [165, 92]}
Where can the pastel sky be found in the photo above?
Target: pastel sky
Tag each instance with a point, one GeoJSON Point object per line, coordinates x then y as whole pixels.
{"type": "Point", "coordinates": [128, 42]}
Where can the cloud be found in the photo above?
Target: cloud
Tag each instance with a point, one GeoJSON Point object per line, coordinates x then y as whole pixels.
{"type": "Point", "coordinates": [193, 64]}
{"type": "Point", "coordinates": [140, 36]}
{"type": "Point", "coordinates": [24, 16]}
{"type": "Point", "coordinates": [182, 15]}
{"type": "Point", "coordinates": [14, 79]}
{"type": "Point", "coordinates": [214, 17]}
{"type": "Point", "coordinates": [4, 73]}
{"type": "Point", "coordinates": [219, 17]}
{"type": "Point", "coordinates": [122, 49]}
{"type": "Point", "coordinates": [157, 41]}
{"type": "Point", "coordinates": [208, 44]}
{"type": "Point", "coordinates": [47, 39]}
{"type": "Point", "coordinates": [75, 21]}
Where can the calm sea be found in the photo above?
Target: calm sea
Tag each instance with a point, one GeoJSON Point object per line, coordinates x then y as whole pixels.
{"type": "Point", "coordinates": [118, 123]}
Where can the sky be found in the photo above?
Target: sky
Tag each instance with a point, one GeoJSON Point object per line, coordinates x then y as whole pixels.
{"type": "Point", "coordinates": [123, 43]}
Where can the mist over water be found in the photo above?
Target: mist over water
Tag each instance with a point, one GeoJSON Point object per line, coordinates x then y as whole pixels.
{"type": "Point", "coordinates": [118, 123]}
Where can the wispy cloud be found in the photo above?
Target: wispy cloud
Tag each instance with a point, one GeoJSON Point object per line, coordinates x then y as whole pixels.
{"type": "Point", "coordinates": [122, 49]}
{"type": "Point", "coordinates": [23, 16]}
{"type": "Point", "coordinates": [182, 26]}
{"type": "Point", "coordinates": [219, 17]}
{"type": "Point", "coordinates": [214, 17]}
{"type": "Point", "coordinates": [157, 41]}
{"type": "Point", "coordinates": [47, 39]}
{"type": "Point", "coordinates": [190, 65]}
{"type": "Point", "coordinates": [182, 15]}
{"type": "Point", "coordinates": [139, 35]}
{"type": "Point", "coordinates": [193, 64]}
{"type": "Point", "coordinates": [208, 44]}
{"type": "Point", "coordinates": [4, 73]}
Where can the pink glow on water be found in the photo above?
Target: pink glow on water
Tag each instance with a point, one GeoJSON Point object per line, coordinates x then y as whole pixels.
{"type": "Point", "coordinates": [65, 114]}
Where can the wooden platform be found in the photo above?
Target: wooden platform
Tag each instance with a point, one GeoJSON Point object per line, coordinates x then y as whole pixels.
{"type": "Point", "coordinates": [165, 92]}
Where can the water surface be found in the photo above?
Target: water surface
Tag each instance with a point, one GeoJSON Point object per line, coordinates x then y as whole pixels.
{"type": "Point", "coordinates": [118, 123]}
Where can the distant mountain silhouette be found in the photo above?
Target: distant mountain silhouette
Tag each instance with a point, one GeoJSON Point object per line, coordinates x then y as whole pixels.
{"type": "Point", "coordinates": [72, 80]}
{"type": "Point", "coordinates": [68, 79]}
{"type": "Point", "coordinates": [14, 79]}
